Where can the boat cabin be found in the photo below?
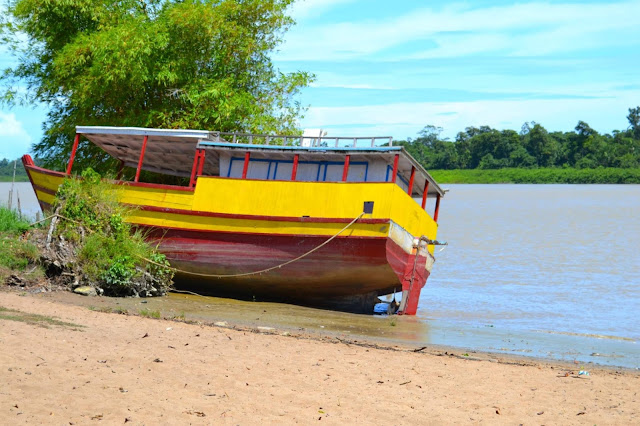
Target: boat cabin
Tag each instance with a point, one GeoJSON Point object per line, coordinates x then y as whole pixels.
{"type": "Point", "coordinates": [194, 153]}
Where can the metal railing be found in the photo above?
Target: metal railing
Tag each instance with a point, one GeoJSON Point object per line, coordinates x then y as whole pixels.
{"type": "Point", "coordinates": [294, 140]}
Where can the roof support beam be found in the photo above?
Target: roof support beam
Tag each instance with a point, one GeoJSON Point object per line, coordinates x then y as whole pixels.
{"type": "Point", "coordinates": [245, 168]}
{"type": "Point", "coordinates": [194, 168]}
{"type": "Point", "coordinates": [201, 165]}
{"type": "Point", "coordinates": [435, 214]}
{"type": "Point", "coordinates": [425, 193]}
{"type": "Point", "coordinates": [294, 171]}
{"type": "Point", "coordinates": [413, 175]}
{"type": "Point", "coordinates": [144, 148]}
{"type": "Point", "coordinates": [345, 171]}
{"type": "Point", "coordinates": [73, 153]}
{"type": "Point", "coordinates": [396, 158]}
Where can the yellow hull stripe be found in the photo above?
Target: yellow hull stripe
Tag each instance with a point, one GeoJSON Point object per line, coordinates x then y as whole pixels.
{"type": "Point", "coordinates": [280, 199]}
{"type": "Point", "coordinates": [274, 227]}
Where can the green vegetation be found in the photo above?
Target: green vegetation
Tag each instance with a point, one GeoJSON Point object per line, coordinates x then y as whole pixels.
{"type": "Point", "coordinates": [109, 252]}
{"type": "Point", "coordinates": [150, 314]}
{"type": "Point", "coordinates": [104, 309]}
{"type": "Point", "coordinates": [160, 63]}
{"type": "Point", "coordinates": [16, 254]}
{"type": "Point", "coordinates": [179, 317]}
{"type": "Point", "coordinates": [534, 155]}
{"type": "Point", "coordinates": [6, 171]}
{"type": "Point", "coordinates": [10, 222]}
{"type": "Point", "coordinates": [92, 244]}
{"type": "Point", "coordinates": [542, 175]}
{"type": "Point", "coordinates": [33, 319]}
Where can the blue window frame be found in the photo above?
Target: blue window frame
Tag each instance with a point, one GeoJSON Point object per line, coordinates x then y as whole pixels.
{"type": "Point", "coordinates": [390, 171]}
{"type": "Point", "coordinates": [320, 165]}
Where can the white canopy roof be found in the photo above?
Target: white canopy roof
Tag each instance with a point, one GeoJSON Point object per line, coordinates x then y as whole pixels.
{"type": "Point", "coordinates": [171, 152]}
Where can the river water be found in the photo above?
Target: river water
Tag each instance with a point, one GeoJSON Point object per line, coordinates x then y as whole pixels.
{"type": "Point", "coordinates": [546, 270]}
{"type": "Point", "coordinates": [549, 271]}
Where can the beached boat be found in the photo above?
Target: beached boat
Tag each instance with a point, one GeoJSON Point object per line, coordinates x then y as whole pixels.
{"type": "Point", "coordinates": [289, 218]}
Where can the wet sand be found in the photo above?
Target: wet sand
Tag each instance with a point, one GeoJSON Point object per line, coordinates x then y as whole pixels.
{"type": "Point", "coordinates": [127, 369]}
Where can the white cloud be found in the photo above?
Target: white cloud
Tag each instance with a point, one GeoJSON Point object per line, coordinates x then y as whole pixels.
{"type": "Point", "coordinates": [406, 119]}
{"type": "Point", "coordinates": [302, 9]}
{"type": "Point", "coordinates": [14, 140]}
{"type": "Point", "coordinates": [520, 29]}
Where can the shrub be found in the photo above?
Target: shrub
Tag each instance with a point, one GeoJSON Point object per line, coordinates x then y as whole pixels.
{"type": "Point", "coordinates": [111, 254]}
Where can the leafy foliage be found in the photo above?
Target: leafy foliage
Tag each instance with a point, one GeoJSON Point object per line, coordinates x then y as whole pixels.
{"type": "Point", "coordinates": [110, 252]}
{"type": "Point", "coordinates": [534, 147]}
{"type": "Point", "coordinates": [201, 64]}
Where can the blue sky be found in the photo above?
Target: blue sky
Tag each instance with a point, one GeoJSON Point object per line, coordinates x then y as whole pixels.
{"type": "Point", "coordinates": [392, 67]}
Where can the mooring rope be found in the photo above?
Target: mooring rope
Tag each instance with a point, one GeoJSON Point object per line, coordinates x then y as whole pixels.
{"type": "Point", "coordinates": [244, 274]}
{"type": "Point", "coordinates": [262, 271]}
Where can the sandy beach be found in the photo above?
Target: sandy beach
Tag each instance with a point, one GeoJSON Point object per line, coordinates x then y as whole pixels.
{"type": "Point", "coordinates": [77, 366]}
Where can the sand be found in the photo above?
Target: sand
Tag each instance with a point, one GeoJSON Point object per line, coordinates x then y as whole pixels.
{"type": "Point", "coordinates": [117, 369]}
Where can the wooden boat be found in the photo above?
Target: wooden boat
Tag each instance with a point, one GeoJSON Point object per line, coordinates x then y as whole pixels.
{"type": "Point", "coordinates": [290, 219]}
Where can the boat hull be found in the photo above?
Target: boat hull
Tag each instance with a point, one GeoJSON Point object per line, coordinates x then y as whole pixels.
{"type": "Point", "coordinates": [222, 252]}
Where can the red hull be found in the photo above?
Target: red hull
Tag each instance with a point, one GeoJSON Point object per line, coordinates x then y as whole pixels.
{"type": "Point", "coordinates": [346, 268]}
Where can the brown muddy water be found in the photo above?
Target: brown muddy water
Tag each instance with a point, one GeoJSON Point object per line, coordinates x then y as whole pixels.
{"type": "Point", "coordinates": [548, 271]}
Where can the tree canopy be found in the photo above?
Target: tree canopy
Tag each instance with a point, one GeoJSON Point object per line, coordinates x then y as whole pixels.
{"type": "Point", "coordinates": [533, 147]}
{"type": "Point", "coordinates": [199, 64]}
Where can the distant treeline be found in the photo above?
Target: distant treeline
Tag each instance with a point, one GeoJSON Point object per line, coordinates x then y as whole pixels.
{"type": "Point", "coordinates": [533, 147]}
{"type": "Point", "coordinates": [539, 175]}
{"type": "Point", "coordinates": [6, 171]}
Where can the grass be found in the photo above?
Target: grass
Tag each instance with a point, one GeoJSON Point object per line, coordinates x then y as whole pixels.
{"type": "Point", "coordinates": [109, 310]}
{"type": "Point", "coordinates": [149, 314]}
{"type": "Point", "coordinates": [16, 254]}
{"type": "Point", "coordinates": [179, 317]}
{"type": "Point", "coordinates": [104, 309]}
{"type": "Point", "coordinates": [34, 319]}
{"type": "Point", "coordinates": [10, 222]}
{"type": "Point", "coordinates": [543, 175]}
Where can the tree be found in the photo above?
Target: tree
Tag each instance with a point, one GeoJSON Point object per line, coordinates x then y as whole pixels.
{"type": "Point", "coordinates": [634, 121]}
{"type": "Point", "coordinates": [541, 146]}
{"type": "Point", "coordinates": [200, 64]}
{"type": "Point", "coordinates": [429, 135]}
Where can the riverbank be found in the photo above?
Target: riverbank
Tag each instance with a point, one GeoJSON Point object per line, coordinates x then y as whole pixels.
{"type": "Point", "coordinates": [542, 175]}
{"type": "Point", "coordinates": [104, 366]}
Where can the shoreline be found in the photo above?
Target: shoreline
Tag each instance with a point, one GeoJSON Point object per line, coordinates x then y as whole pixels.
{"type": "Point", "coordinates": [105, 366]}
{"type": "Point", "coordinates": [399, 333]}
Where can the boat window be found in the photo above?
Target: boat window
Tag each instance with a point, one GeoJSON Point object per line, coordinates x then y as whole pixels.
{"type": "Point", "coordinates": [400, 181]}
{"type": "Point", "coordinates": [308, 171]}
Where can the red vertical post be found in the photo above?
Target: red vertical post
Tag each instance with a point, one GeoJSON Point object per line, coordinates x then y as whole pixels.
{"type": "Point", "coordinates": [345, 171]}
{"type": "Point", "coordinates": [201, 165]}
{"type": "Point", "coordinates": [294, 171]}
{"type": "Point", "coordinates": [424, 193]}
{"type": "Point", "coordinates": [435, 214]}
{"type": "Point", "coordinates": [144, 148]}
{"type": "Point", "coordinates": [194, 168]}
{"type": "Point", "coordinates": [245, 169]}
{"type": "Point", "coordinates": [73, 153]}
{"type": "Point", "coordinates": [413, 175]}
{"type": "Point", "coordinates": [395, 168]}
